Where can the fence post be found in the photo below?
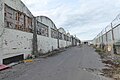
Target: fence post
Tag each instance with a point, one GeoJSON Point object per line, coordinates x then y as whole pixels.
{"type": "Point", "coordinates": [113, 40]}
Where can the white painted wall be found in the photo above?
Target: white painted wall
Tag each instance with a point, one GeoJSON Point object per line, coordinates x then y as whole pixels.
{"type": "Point", "coordinates": [68, 43]}
{"type": "Point", "coordinates": [16, 42]}
{"type": "Point", "coordinates": [46, 44]}
{"type": "Point", "coordinates": [54, 43]}
{"type": "Point", "coordinates": [1, 28]}
{"type": "Point", "coordinates": [62, 43]}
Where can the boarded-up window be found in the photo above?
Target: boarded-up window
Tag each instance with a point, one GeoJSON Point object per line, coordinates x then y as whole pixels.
{"type": "Point", "coordinates": [15, 19]}
{"type": "Point", "coordinates": [42, 29]}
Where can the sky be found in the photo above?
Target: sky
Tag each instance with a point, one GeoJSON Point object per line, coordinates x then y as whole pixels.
{"type": "Point", "coordinates": [83, 18]}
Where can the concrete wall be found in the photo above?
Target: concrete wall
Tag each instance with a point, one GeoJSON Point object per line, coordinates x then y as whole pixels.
{"type": "Point", "coordinates": [68, 43]}
{"type": "Point", "coordinates": [1, 28]}
{"type": "Point", "coordinates": [62, 43]}
{"type": "Point", "coordinates": [46, 44]}
{"type": "Point", "coordinates": [14, 42]}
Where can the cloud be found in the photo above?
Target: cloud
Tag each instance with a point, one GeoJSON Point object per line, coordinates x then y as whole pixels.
{"type": "Point", "coordinates": [85, 18]}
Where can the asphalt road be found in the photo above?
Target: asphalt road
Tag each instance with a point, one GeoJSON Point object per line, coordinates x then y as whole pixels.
{"type": "Point", "coordinates": [76, 63]}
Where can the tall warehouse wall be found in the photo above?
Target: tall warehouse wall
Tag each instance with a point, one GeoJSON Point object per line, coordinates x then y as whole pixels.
{"type": "Point", "coordinates": [16, 35]}
{"type": "Point", "coordinates": [62, 38]}
{"type": "Point", "coordinates": [17, 29]}
{"type": "Point", "coordinates": [1, 28]}
{"type": "Point", "coordinates": [47, 40]}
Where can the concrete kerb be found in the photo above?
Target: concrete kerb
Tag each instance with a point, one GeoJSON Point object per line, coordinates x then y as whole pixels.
{"type": "Point", "coordinates": [52, 53]}
{"type": "Point", "coordinates": [49, 54]}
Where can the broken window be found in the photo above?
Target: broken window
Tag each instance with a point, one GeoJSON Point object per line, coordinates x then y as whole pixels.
{"type": "Point", "coordinates": [42, 29]}
{"type": "Point", "coordinates": [54, 33]}
{"type": "Point", "coordinates": [60, 35]}
{"type": "Point", "coordinates": [68, 38]}
{"type": "Point", "coordinates": [29, 24]}
{"type": "Point", "coordinates": [9, 17]}
{"type": "Point", "coordinates": [17, 20]}
{"type": "Point", "coordinates": [65, 37]}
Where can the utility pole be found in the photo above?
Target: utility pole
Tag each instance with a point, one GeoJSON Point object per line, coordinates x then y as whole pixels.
{"type": "Point", "coordinates": [35, 47]}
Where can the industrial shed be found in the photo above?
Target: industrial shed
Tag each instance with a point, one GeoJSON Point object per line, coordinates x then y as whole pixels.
{"type": "Point", "coordinates": [62, 38]}
{"type": "Point", "coordinates": [47, 34]}
{"type": "Point", "coordinates": [17, 28]}
{"type": "Point", "coordinates": [15, 31]}
{"type": "Point", "coordinates": [74, 41]}
{"type": "Point", "coordinates": [69, 41]}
